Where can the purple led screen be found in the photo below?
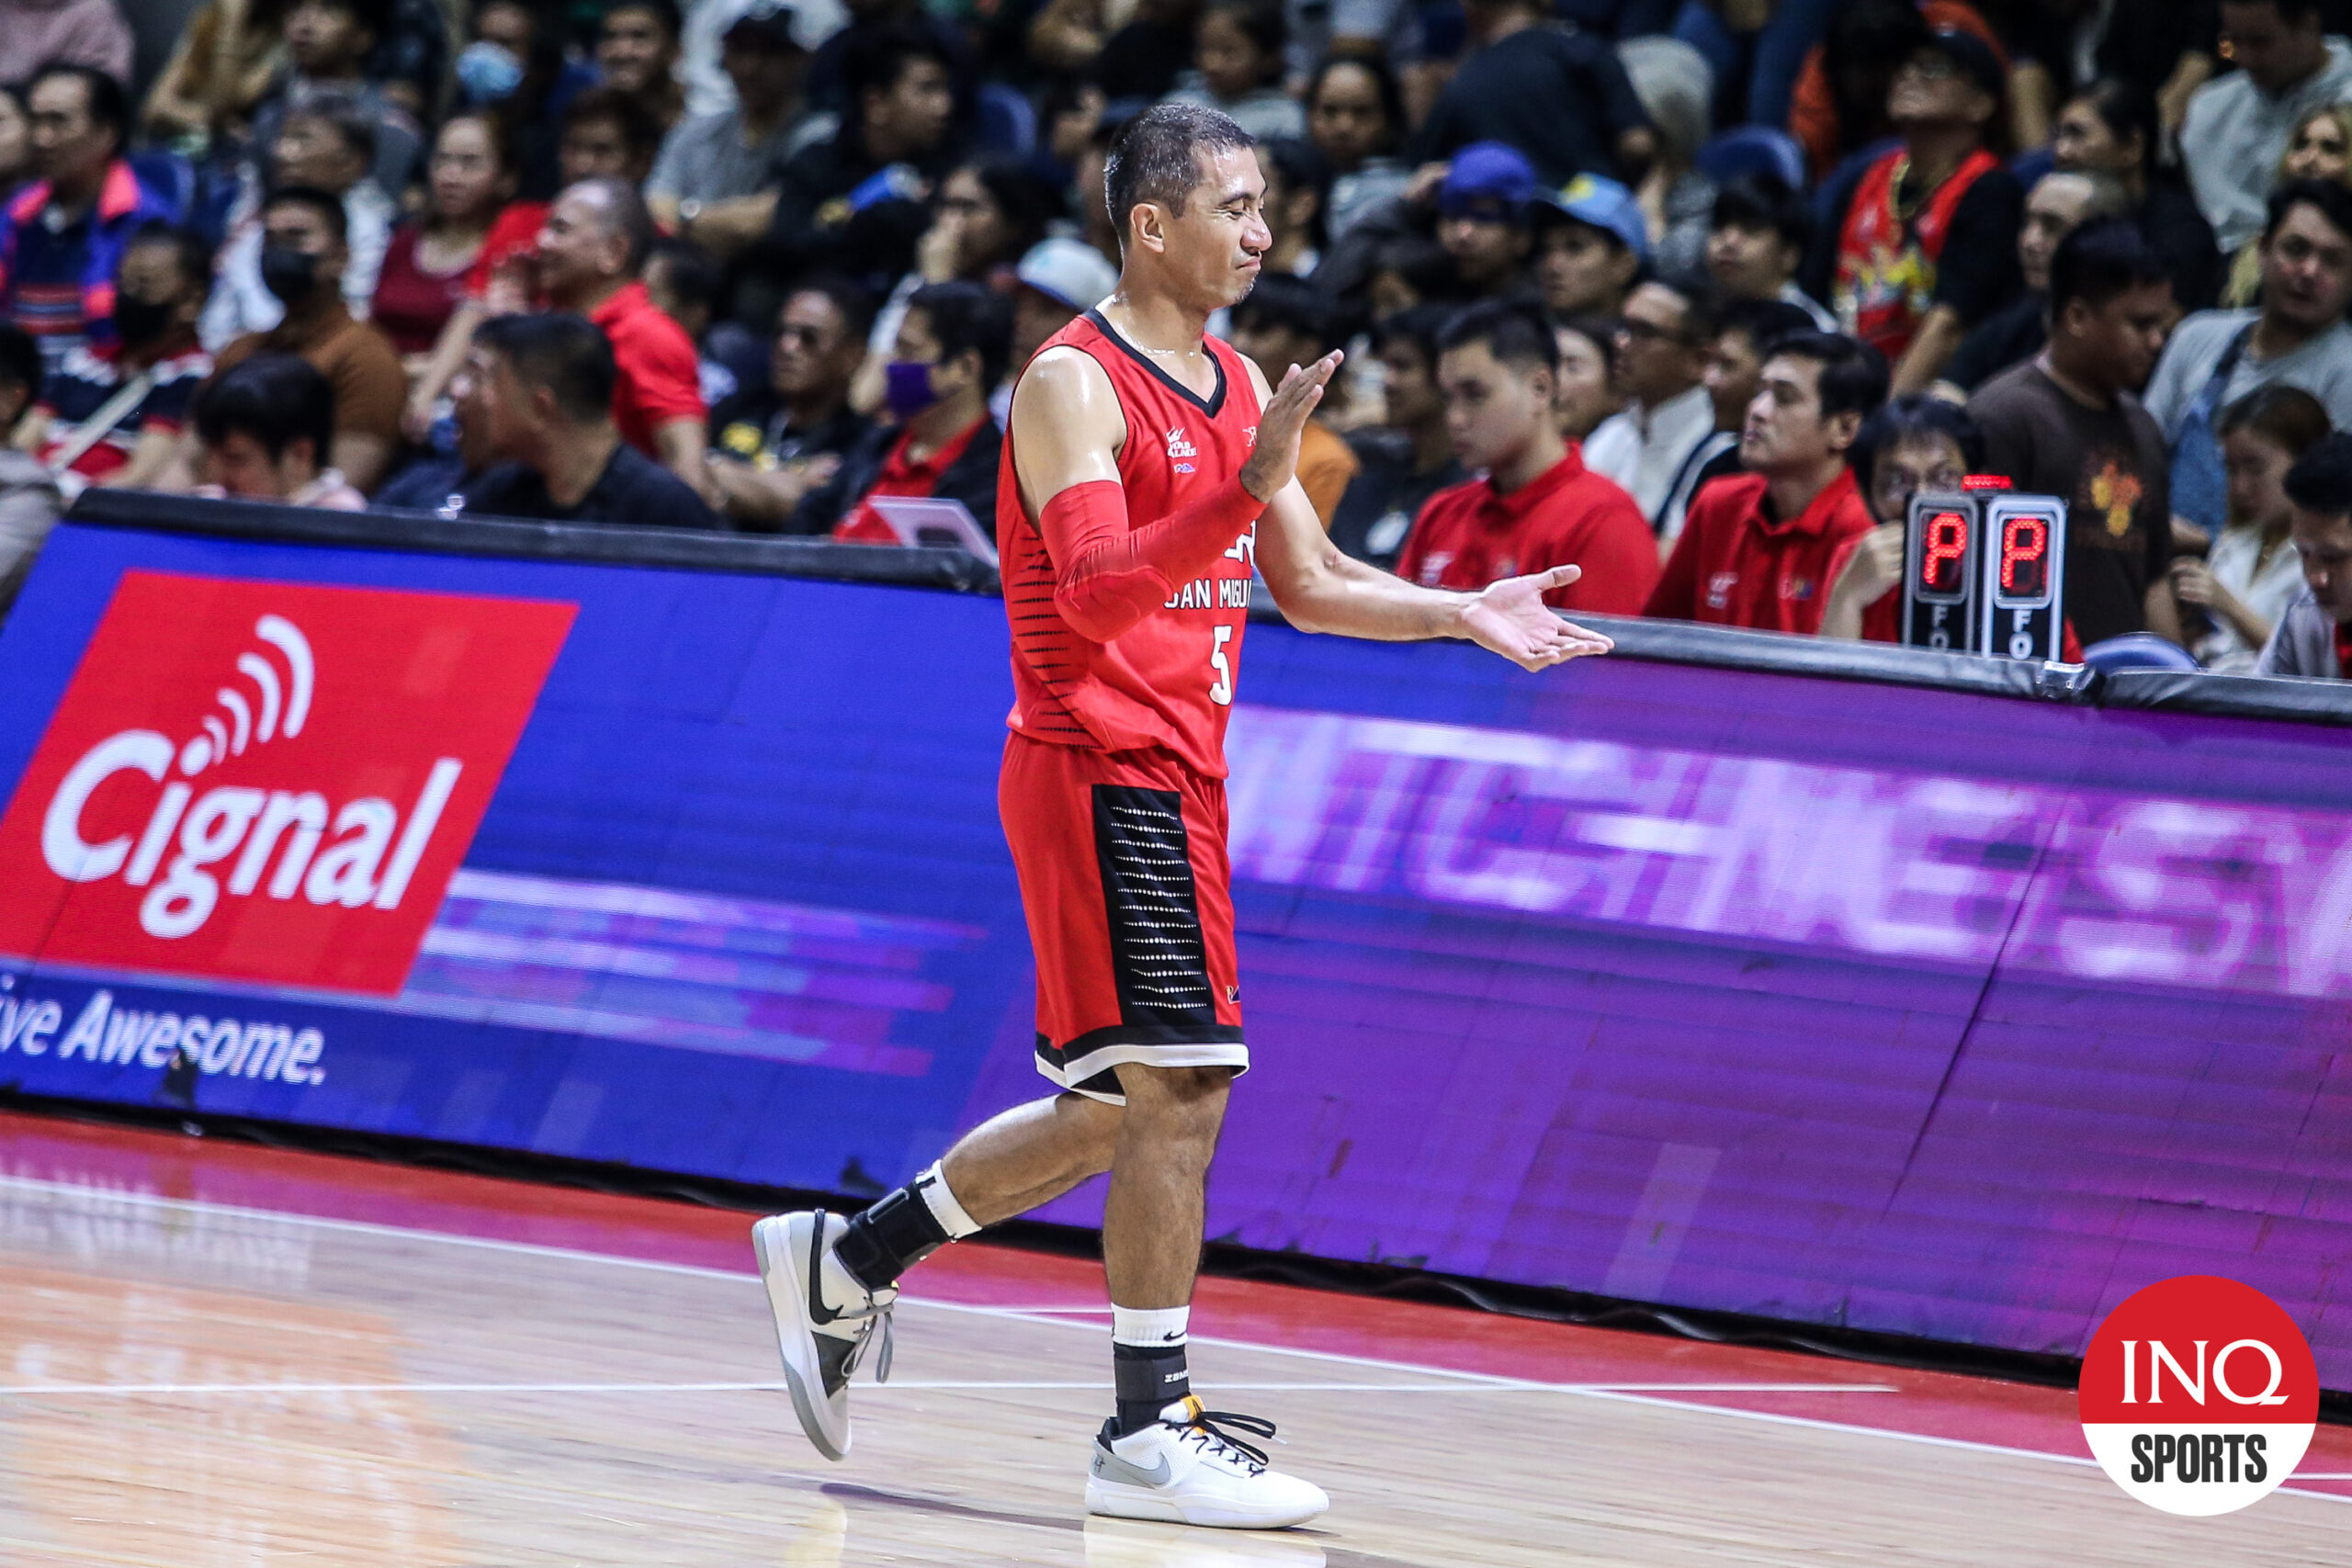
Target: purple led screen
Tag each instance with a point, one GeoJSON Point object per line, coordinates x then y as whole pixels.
{"type": "Point", "coordinates": [1906, 1011]}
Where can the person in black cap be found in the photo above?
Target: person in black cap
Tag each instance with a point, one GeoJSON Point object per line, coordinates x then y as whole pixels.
{"type": "Point", "coordinates": [715, 181]}
{"type": "Point", "coordinates": [1923, 242]}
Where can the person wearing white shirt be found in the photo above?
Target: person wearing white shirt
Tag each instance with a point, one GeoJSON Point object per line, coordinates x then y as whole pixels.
{"type": "Point", "coordinates": [2253, 572]}
{"type": "Point", "coordinates": [1657, 446]}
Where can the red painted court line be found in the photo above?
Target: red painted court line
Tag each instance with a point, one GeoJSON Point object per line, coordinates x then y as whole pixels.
{"type": "Point", "coordinates": [1926, 1404]}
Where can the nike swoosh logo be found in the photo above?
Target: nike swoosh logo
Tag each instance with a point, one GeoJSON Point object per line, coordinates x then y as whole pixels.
{"type": "Point", "coordinates": [1111, 1467]}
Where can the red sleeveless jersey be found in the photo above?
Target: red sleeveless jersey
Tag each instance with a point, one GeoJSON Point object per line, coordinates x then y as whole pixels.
{"type": "Point", "coordinates": [1167, 680]}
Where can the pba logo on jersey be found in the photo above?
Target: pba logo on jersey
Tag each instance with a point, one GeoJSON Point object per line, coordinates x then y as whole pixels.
{"type": "Point", "coordinates": [2199, 1395]}
{"type": "Point", "coordinates": [267, 780]}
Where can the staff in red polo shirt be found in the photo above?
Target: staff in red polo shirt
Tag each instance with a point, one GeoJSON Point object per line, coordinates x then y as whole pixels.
{"type": "Point", "coordinates": [1756, 549]}
{"type": "Point", "coordinates": [1536, 506]}
{"type": "Point", "coordinates": [951, 352]}
{"type": "Point", "coordinates": [591, 249]}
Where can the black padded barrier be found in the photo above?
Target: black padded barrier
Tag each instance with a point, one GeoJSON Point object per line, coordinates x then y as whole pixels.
{"type": "Point", "coordinates": [1668, 642]}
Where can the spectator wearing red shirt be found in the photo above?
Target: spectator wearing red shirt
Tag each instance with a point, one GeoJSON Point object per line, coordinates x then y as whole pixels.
{"type": "Point", "coordinates": [951, 352]}
{"type": "Point", "coordinates": [1536, 506]}
{"type": "Point", "coordinates": [591, 251]}
{"type": "Point", "coordinates": [1914, 444]}
{"type": "Point", "coordinates": [1756, 551]}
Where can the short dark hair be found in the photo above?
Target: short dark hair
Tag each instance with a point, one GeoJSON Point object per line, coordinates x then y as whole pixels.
{"type": "Point", "coordinates": [1516, 332]}
{"type": "Point", "coordinates": [1763, 202]}
{"type": "Point", "coordinates": [2286, 415]}
{"type": "Point", "coordinates": [325, 203]}
{"type": "Point", "coordinates": [1420, 261]}
{"type": "Point", "coordinates": [1919, 413]}
{"type": "Point", "coordinates": [2334, 201]}
{"type": "Point", "coordinates": [1702, 303]}
{"type": "Point", "coordinates": [2126, 108]}
{"type": "Point", "coordinates": [1383, 86]}
{"type": "Point", "coordinates": [640, 129]}
{"type": "Point", "coordinates": [19, 359]}
{"type": "Point", "coordinates": [108, 104]}
{"type": "Point", "coordinates": [191, 252]}
{"type": "Point", "coordinates": [567, 354]}
{"type": "Point", "coordinates": [1263, 21]}
{"type": "Point", "coordinates": [696, 277]}
{"type": "Point", "coordinates": [969, 316]}
{"type": "Point", "coordinates": [376, 16]}
{"type": "Point", "coordinates": [1420, 325]}
{"type": "Point", "coordinates": [277, 398]}
{"type": "Point", "coordinates": [664, 12]}
{"type": "Point", "coordinates": [875, 62]}
{"type": "Point", "coordinates": [625, 215]}
{"type": "Point", "coordinates": [346, 112]}
{"type": "Point", "coordinates": [852, 299]}
{"type": "Point", "coordinates": [1598, 330]}
{"type": "Point", "coordinates": [2321, 479]}
{"type": "Point", "coordinates": [2101, 260]}
{"type": "Point", "coordinates": [1853, 378]}
{"type": "Point", "coordinates": [1156, 157]}
{"type": "Point", "coordinates": [1297, 164]}
{"type": "Point", "coordinates": [1296, 304]}
{"type": "Point", "coordinates": [1762, 321]}
{"type": "Point", "coordinates": [1029, 202]}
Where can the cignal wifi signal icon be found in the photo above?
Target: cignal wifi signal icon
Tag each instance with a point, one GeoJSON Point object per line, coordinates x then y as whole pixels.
{"type": "Point", "coordinates": [280, 705]}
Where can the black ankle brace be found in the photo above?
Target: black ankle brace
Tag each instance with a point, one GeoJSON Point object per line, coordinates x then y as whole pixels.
{"type": "Point", "coordinates": [1147, 1379]}
{"type": "Point", "coordinates": [891, 1237]}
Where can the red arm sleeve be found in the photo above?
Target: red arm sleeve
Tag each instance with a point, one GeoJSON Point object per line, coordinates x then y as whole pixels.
{"type": "Point", "coordinates": [1108, 576]}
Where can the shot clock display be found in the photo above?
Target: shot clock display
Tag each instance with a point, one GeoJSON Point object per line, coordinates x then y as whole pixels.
{"type": "Point", "coordinates": [1983, 573]}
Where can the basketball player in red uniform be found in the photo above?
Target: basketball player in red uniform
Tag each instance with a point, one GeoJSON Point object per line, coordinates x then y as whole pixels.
{"type": "Point", "coordinates": [1147, 467]}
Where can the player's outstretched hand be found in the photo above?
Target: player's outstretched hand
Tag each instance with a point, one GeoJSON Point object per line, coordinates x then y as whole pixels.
{"type": "Point", "coordinates": [1511, 618]}
{"type": "Point", "coordinates": [1280, 424]}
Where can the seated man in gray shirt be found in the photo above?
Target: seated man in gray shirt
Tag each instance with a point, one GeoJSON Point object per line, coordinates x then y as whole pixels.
{"type": "Point", "coordinates": [708, 182]}
{"type": "Point", "coordinates": [2314, 637]}
{"type": "Point", "coordinates": [2298, 337]}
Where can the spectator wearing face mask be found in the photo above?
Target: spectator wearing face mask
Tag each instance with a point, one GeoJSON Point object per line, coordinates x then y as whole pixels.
{"type": "Point", "coordinates": [2314, 637]}
{"type": "Point", "coordinates": [1534, 505]}
{"type": "Point", "coordinates": [1409, 457]}
{"type": "Point", "coordinates": [117, 419]}
{"type": "Point", "coordinates": [543, 387]}
{"type": "Point", "coordinates": [516, 64]}
{"type": "Point", "coordinates": [950, 353]}
{"type": "Point", "coordinates": [324, 145]}
{"type": "Point", "coordinates": [62, 235]}
{"type": "Point", "coordinates": [265, 426]}
{"type": "Point", "coordinates": [304, 255]}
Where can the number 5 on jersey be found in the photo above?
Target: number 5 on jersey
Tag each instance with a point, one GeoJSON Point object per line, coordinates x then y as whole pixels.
{"type": "Point", "coordinates": [1221, 689]}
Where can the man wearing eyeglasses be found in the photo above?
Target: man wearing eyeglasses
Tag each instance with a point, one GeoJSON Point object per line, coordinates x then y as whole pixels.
{"type": "Point", "coordinates": [1655, 447]}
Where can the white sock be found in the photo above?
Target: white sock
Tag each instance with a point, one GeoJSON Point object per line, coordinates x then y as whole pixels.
{"type": "Point", "coordinates": [1151, 1328]}
{"type": "Point", "coordinates": [932, 1185]}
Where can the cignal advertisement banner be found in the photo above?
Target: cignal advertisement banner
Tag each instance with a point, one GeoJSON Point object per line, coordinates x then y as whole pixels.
{"type": "Point", "coordinates": [1901, 1010]}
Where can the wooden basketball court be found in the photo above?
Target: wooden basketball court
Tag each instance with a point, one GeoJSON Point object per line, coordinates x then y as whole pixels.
{"type": "Point", "coordinates": [215, 1355]}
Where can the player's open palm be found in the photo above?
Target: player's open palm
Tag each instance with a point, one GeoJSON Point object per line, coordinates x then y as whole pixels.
{"type": "Point", "coordinates": [1511, 618]}
{"type": "Point", "coordinates": [1282, 422]}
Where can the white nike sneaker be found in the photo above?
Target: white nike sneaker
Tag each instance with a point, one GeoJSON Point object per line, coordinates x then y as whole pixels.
{"type": "Point", "coordinates": [824, 1320]}
{"type": "Point", "coordinates": [1184, 1470]}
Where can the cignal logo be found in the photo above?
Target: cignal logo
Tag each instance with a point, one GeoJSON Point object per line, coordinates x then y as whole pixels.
{"type": "Point", "coordinates": [267, 780]}
{"type": "Point", "coordinates": [2199, 1395]}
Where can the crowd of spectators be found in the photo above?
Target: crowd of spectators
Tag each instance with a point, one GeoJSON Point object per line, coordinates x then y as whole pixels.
{"type": "Point", "coordinates": [1696, 294]}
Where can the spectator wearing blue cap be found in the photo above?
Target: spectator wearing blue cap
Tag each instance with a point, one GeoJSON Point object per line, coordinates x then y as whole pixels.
{"type": "Point", "coordinates": [1560, 97]}
{"type": "Point", "coordinates": [1590, 246]}
{"type": "Point", "coordinates": [1483, 219]}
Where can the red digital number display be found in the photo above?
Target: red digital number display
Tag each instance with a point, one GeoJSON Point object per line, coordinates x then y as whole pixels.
{"type": "Point", "coordinates": [1943, 555]}
{"type": "Point", "coordinates": [2025, 557]}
